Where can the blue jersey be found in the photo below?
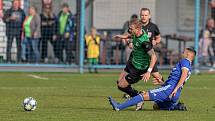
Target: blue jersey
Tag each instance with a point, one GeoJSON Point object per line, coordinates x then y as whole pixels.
{"type": "Point", "coordinates": [161, 95]}
{"type": "Point", "coordinates": [176, 72]}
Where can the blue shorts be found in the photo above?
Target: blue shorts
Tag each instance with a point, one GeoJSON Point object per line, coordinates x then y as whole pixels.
{"type": "Point", "coordinates": [161, 97]}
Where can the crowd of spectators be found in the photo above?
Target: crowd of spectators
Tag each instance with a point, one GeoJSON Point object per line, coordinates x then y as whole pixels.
{"type": "Point", "coordinates": [33, 31]}
{"type": "Point", "coordinates": [207, 41]}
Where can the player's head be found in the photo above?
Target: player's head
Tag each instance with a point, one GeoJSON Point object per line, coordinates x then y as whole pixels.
{"type": "Point", "coordinates": [135, 27]}
{"type": "Point", "coordinates": [189, 53]}
{"type": "Point", "coordinates": [145, 15]}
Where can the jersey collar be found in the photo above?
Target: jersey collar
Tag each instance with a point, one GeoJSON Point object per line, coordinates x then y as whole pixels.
{"type": "Point", "coordinates": [188, 60]}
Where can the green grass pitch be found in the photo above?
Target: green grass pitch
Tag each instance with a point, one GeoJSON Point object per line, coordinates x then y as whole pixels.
{"type": "Point", "coordinates": [76, 97]}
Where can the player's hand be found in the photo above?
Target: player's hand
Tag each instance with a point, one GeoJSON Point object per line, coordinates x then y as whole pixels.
{"type": "Point", "coordinates": [130, 45]}
{"type": "Point", "coordinates": [117, 36]}
{"type": "Point", "coordinates": [173, 93]}
{"type": "Point", "coordinates": [157, 81]}
{"type": "Point", "coordinates": [146, 76]}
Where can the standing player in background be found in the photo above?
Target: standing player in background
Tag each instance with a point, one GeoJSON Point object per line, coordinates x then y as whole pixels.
{"type": "Point", "coordinates": [153, 34]}
{"type": "Point", "coordinates": [166, 96]}
{"type": "Point", "coordinates": [142, 61]}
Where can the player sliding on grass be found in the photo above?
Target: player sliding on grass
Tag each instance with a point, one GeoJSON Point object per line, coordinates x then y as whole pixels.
{"type": "Point", "coordinates": [143, 59]}
{"type": "Point", "coordinates": [166, 96]}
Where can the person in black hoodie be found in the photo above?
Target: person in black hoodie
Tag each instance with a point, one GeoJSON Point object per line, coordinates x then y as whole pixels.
{"type": "Point", "coordinates": [14, 18]}
{"type": "Point", "coordinates": [48, 28]}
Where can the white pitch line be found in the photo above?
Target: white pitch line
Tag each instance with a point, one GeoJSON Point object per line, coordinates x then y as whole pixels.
{"type": "Point", "coordinates": [38, 77]}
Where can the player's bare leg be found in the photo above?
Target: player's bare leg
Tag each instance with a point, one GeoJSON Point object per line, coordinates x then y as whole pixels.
{"type": "Point", "coordinates": [121, 77]}
{"type": "Point", "coordinates": [124, 86]}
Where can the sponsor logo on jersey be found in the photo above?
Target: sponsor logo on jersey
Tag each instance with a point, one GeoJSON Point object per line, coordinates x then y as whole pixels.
{"type": "Point", "coordinates": [149, 34]}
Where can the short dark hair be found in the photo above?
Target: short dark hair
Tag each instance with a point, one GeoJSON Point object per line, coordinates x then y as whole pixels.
{"type": "Point", "coordinates": [134, 16]}
{"type": "Point", "coordinates": [192, 50]}
{"type": "Point", "coordinates": [65, 5]}
{"type": "Point", "coordinates": [145, 9]}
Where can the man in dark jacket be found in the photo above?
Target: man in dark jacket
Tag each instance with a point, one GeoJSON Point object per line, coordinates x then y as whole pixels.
{"type": "Point", "coordinates": [13, 19]}
{"type": "Point", "coordinates": [65, 28]}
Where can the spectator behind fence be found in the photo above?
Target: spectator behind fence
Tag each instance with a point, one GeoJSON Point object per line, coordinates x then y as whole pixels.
{"type": "Point", "coordinates": [32, 33]}
{"type": "Point", "coordinates": [129, 46]}
{"type": "Point", "coordinates": [65, 39]}
{"type": "Point", "coordinates": [212, 5]}
{"type": "Point", "coordinates": [13, 19]}
{"type": "Point", "coordinates": [205, 44]}
{"type": "Point", "coordinates": [106, 48]}
{"type": "Point", "coordinates": [48, 28]}
{"type": "Point", "coordinates": [92, 43]}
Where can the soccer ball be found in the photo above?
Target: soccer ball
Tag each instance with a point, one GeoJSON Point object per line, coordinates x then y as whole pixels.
{"type": "Point", "coordinates": [29, 104]}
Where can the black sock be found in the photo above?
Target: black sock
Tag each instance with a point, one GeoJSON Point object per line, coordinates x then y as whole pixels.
{"type": "Point", "coordinates": [129, 90]}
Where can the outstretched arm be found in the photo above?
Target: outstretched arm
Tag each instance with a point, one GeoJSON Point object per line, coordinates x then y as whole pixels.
{"type": "Point", "coordinates": [180, 82]}
{"type": "Point", "coordinates": [123, 36]}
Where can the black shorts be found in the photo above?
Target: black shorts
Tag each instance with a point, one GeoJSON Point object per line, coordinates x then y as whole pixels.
{"type": "Point", "coordinates": [134, 75]}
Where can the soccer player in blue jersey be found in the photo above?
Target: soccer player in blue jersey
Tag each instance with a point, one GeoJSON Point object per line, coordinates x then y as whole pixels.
{"type": "Point", "coordinates": [165, 97]}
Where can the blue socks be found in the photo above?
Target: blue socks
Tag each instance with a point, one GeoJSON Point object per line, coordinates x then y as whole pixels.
{"type": "Point", "coordinates": [131, 102]}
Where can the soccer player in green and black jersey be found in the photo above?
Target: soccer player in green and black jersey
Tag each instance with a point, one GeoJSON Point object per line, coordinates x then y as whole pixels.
{"type": "Point", "coordinates": [143, 59]}
{"type": "Point", "coordinates": [153, 33]}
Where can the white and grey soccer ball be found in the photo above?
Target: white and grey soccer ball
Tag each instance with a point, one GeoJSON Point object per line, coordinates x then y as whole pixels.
{"type": "Point", "coordinates": [29, 104]}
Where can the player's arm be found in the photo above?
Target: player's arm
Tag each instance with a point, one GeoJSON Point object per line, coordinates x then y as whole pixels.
{"type": "Point", "coordinates": [151, 53]}
{"type": "Point", "coordinates": [157, 37]}
{"type": "Point", "coordinates": [180, 82]}
{"type": "Point", "coordinates": [123, 36]}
